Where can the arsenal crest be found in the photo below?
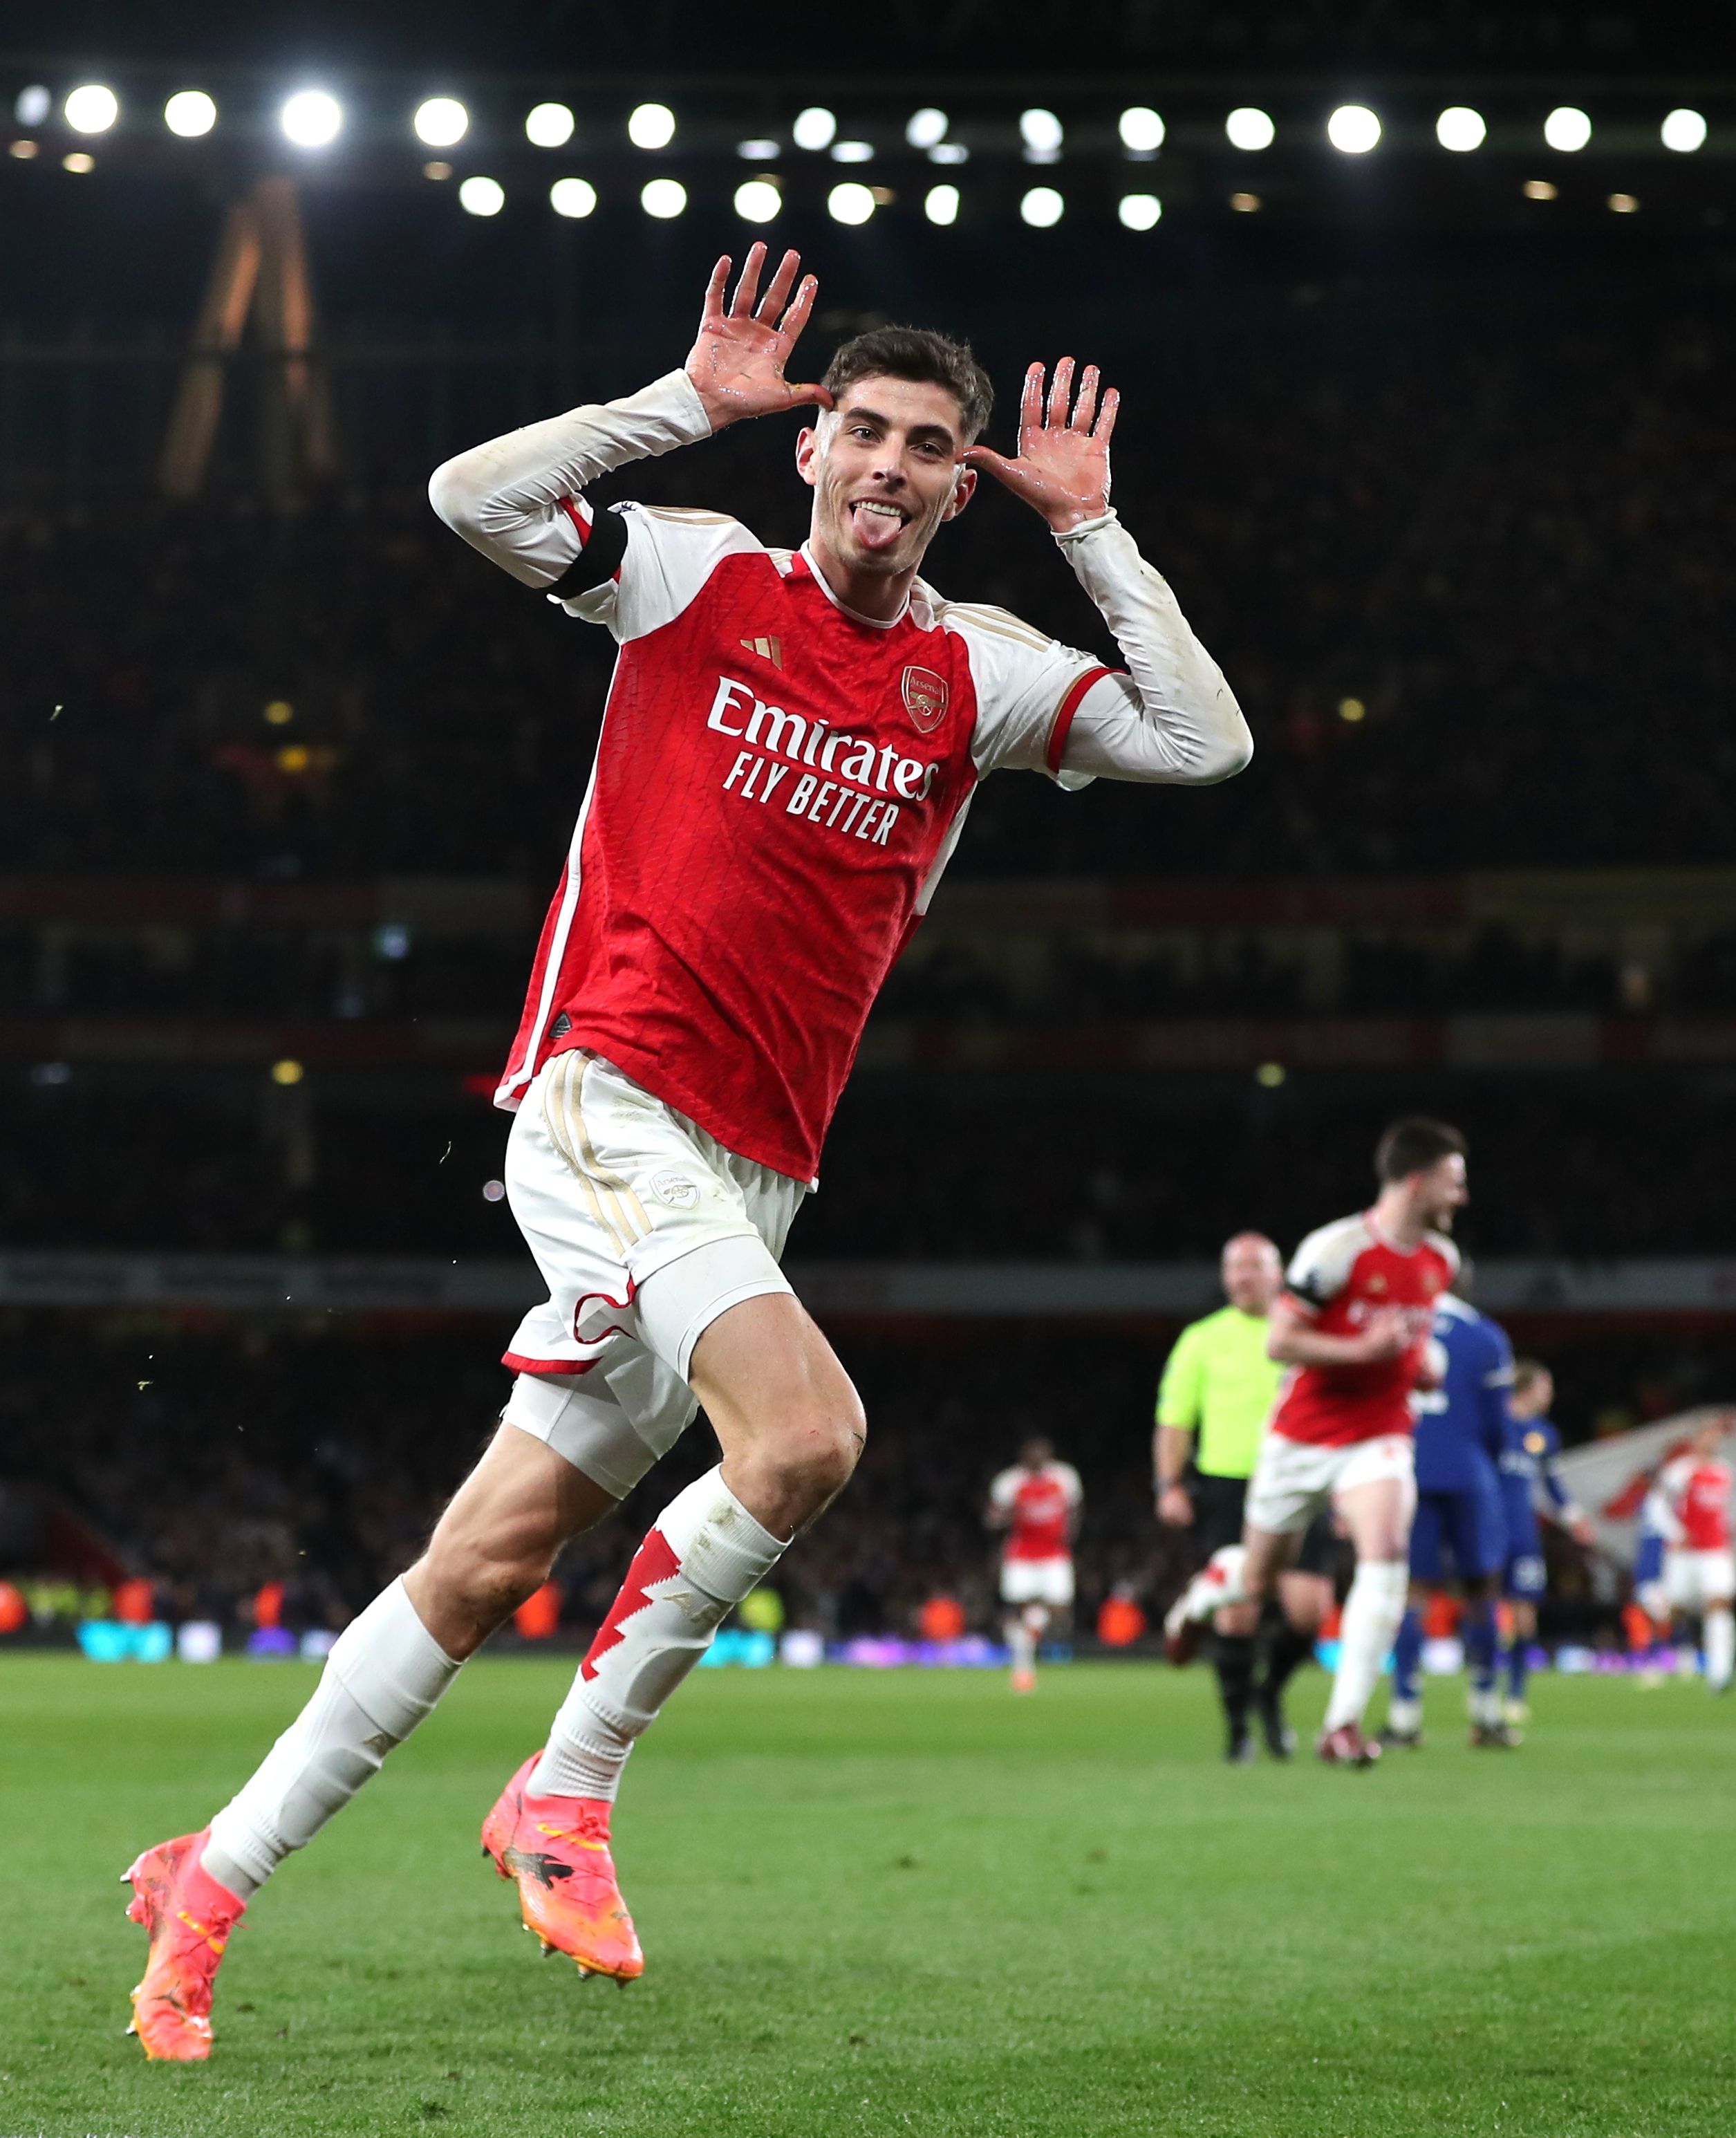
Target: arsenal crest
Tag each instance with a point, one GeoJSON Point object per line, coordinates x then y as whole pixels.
{"type": "Point", "coordinates": [925, 697]}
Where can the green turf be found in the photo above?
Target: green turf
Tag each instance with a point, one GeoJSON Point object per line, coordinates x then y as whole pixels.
{"type": "Point", "coordinates": [901, 1903]}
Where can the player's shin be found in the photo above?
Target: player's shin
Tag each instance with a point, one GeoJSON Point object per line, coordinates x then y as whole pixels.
{"type": "Point", "coordinates": [705, 1552]}
{"type": "Point", "coordinates": [1478, 1632]}
{"type": "Point", "coordinates": [382, 1677]}
{"type": "Point", "coordinates": [1372, 1612]}
{"type": "Point", "coordinates": [1404, 1712]}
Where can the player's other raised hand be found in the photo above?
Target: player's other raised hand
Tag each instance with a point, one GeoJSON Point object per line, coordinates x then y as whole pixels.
{"type": "Point", "coordinates": [1061, 469]}
{"type": "Point", "coordinates": [737, 363]}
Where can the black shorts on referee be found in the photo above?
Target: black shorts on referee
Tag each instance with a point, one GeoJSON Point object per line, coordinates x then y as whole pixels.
{"type": "Point", "coordinates": [1218, 1517]}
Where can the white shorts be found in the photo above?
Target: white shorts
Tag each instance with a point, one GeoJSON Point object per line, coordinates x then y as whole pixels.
{"type": "Point", "coordinates": [1293, 1480]}
{"type": "Point", "coordinates": [1693, 1579]}
{"type": "Point", "coordinates": [646, 1230]}
{"type": "Point", "coordinates": [1037, 1581]}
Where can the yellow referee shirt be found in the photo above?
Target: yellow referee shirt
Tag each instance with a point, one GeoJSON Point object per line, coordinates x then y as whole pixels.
{"type": "Point", "coordinates": [1219, 1385]}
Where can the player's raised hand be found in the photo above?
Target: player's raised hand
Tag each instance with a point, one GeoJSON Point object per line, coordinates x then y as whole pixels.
{"type": "Point", "coordinates": [1061, 469]}
{"type": "Point", "coordinates": [737, 363]}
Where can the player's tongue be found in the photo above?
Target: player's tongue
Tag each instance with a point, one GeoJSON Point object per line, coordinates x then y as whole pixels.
{"type": "Point", "coordinates": [877, 526]}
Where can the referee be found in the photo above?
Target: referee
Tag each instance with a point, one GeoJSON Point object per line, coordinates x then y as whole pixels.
{"type": "Point", "coordinates": [1216, 1395]}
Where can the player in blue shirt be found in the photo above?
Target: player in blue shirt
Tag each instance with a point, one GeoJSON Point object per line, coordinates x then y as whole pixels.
{"type": "Point", "coordinates": [1530, 1464]}
{"type": "Point", "coordinates": [1462, 1431]}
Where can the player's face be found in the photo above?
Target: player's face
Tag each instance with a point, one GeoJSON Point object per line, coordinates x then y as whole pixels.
{"type": "Point", "coordinates": [1442, 1191]}
{"type": "Point", "coordinates": [1538, 1399]}
{"type": "Point", "coordinates": [884, 466]}
{"type": "Point", "coordinates": [1252, 1275]}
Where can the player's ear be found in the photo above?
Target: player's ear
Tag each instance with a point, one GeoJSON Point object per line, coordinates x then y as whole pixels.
{"type": "Point", "coordinates": [807, 451]}
{"type": "Point", "coordinates": [964, 488]}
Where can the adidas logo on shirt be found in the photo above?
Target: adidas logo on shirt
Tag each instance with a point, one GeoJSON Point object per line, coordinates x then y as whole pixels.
{"type": "Point", "coordinates": [768, 649]}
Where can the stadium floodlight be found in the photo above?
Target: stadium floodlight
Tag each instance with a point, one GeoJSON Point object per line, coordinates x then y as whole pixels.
{"type": "Point", "coordinates": [940, 204]}
{"type": "Point", "coordinates": [815, 129]}
{"type": "Point", "coordinates": [1041, 207]}
{"type": "Point", "coordinates": [548, 125]}
{"type": "Point", "coordinates": [190, 113]}
{"type": "Point", "coordinates": [482, 196]}
{"type": "Point", "coordinates": [1142, 130]}
{"type": "Point", "coordinates": [663, 199]}
{"type": "Point", "coordinates": [312, 119]}
{"type": "Point", "coordinates": [1248, 127]}
{"type": "Point", "coordinates": [1683, 131]}
{"type": "Point", "coordinates": [1461, 129]}
{"type": "Point", "coordinates": [91, 108]}
{"type": "Point", "coordinates": [441, 121]}
{"type": "Point", "coordinates": [78, 162]}
{"type": "Point", "coordinates": [758, 200]}
{"type": "Point", "coordinates": [949, 152]}
{"type": "Point", "coordinates": [1622, 204]}
{"type": "Point", "coordinates": [1041, 131]}
{"type": "Point", "coordinates": [32, 105]}
{"type": "Point", "coordinates": [575, 198]}
{"type": "Point", "coordinates": [926, 129]}
{"type": "Point", "coordinates": [1353, 129]}
{"type": "Point", "coordinates": [1567, 129]}
{"type": "Point", "coordinates": [650, 126]}
{"type": "Point", "coordinates": [849, 202]}
{"type": "Point", "coordinates": [757, 151]}
{"type": "Point", "coordinates": [852, 152]}
{"type": "Point", "coordinates": [1139, 210]}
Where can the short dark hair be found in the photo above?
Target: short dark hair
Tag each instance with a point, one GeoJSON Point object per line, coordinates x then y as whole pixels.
{"type": "Point", "coordinates": [1414, 1144]}
{"type": "Point", "coordinates": [919, 353]}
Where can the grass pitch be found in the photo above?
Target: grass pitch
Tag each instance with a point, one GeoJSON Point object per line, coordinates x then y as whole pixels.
{"type": "Point", "coordinates": [899, 1904]}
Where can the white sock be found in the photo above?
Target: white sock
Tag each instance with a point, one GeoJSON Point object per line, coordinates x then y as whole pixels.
{"type": "Point", "coordinates": [1022, 1641]}
{"type": "Point", "coordinates": [384, 1674]}
{"type": "Point", "coordinates": [705, 1554]}
{"type": "Point", "coordinates": [1406, 1714]}
{"type": "Point", "coordinates": [1720, 1638]}
{"type": "Point", "coordinates": [1373, 1611]}
{"type": "Point", "coordinates": [1483, 1703]}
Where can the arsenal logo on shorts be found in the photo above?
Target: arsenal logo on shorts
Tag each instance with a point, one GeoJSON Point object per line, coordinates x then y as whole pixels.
{"type": "Point", "coordinates": [925, 697]}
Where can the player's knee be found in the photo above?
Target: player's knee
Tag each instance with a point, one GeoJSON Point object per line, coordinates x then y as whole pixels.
{"type": "Point", "coordinates": [814, 1451]}
{"type": "Point", "coordinates": [482, 1579]}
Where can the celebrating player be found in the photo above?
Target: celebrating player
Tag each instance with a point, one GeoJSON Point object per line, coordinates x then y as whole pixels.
{"type": "Point", "coordinates": [790, 744]}
{"type": "Point", "coordinates": [1352, 1322]}
{"type": "Point", "coordinates": [1216, 1394]}
{"type": "Point", "coordinates": [1530, 1462]}
{"type": "Point", "coordinates": [1462, 1431]}
{"type": "Point", "coordinates": [1690, 1506]}
{"type": "Point", "coordinates": [1036, 1501]}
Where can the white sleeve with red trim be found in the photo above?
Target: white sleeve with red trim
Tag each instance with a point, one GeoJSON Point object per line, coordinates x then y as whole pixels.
{"type": "Point", "coordinates": [1005, 1489]}
{"type": "Point", "coordinates": [1320, 1267]}
{"type": "Point", "coordinates": [1028, 686]}
{"type": "Point", "coordinates": [1069, 1480]}
{"type": "Point", "coordinates": [519, 499]}
{"type": "Point", "coordinates": [1172, 718]}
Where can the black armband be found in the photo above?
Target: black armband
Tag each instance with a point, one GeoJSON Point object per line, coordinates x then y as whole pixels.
{"type": "Point", "coordinates": [599, 560]}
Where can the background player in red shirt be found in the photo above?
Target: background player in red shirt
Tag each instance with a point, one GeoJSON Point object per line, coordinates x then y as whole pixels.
{"type": "Point", "coordinates": [790, 744]}
{"type": "Point", "coordinates": [1690, 1507]}
{"type": "Point", "coordinates": [1353, 1324]}
{"type": "Point", "coordinates": [1036, 1501]}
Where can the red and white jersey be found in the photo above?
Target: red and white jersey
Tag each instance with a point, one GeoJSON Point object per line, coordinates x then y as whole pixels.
{"type": "Point", "coordinates": [778, 784]}
{"type": "Point", "coordinates": [1696, 1494]}
{"type": "Point", "coordinates": [1339, 1277]}
{"type": "Point", "coordinates": [1040, 1506]}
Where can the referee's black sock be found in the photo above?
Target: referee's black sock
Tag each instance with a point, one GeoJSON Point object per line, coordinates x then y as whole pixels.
{"type": "Point", "coordinates": [1284, 1651]}
{"type": "Point", "coordinates": [1233, 1656]}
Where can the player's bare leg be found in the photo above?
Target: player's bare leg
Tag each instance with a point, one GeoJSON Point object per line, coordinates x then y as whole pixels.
{"type": "Point", "coordinates": [1378, 1517]}
{"type": "Point", "coordinates": [791, 1428]}
{"type": "Point", "coordinates": [1521, 1634]}
{"type": "Point", "coordinates": [492, 1548]}
{"type": "Point", "coordinates": [1718, 1632]}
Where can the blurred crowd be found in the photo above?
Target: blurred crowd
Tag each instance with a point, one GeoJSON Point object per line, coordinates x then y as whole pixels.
{"type": "Point", "coordinates": [215, 1460]}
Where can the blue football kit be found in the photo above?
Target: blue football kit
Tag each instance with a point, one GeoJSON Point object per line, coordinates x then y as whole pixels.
{"type": "Point", "coordinates": [1528, 1464]}
{"type": "Point", "coordinates": [1463, 1430]}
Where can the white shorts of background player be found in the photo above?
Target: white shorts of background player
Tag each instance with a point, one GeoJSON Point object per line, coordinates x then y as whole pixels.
{"type": "Point", "coordinates": [1293, 1480]}
{"type": "Point", "coordinates": [1692, 1580]}
{"type": "Point", "coordinates": [613, 1188]}
{"type": "Point", "coordinates": [1037, 1581]}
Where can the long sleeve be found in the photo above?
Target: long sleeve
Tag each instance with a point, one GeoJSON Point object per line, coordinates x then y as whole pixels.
{"type": "Point", "coordinates": [1171, 717]}
{"type": "Point", "coordinates": [518, 498]}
